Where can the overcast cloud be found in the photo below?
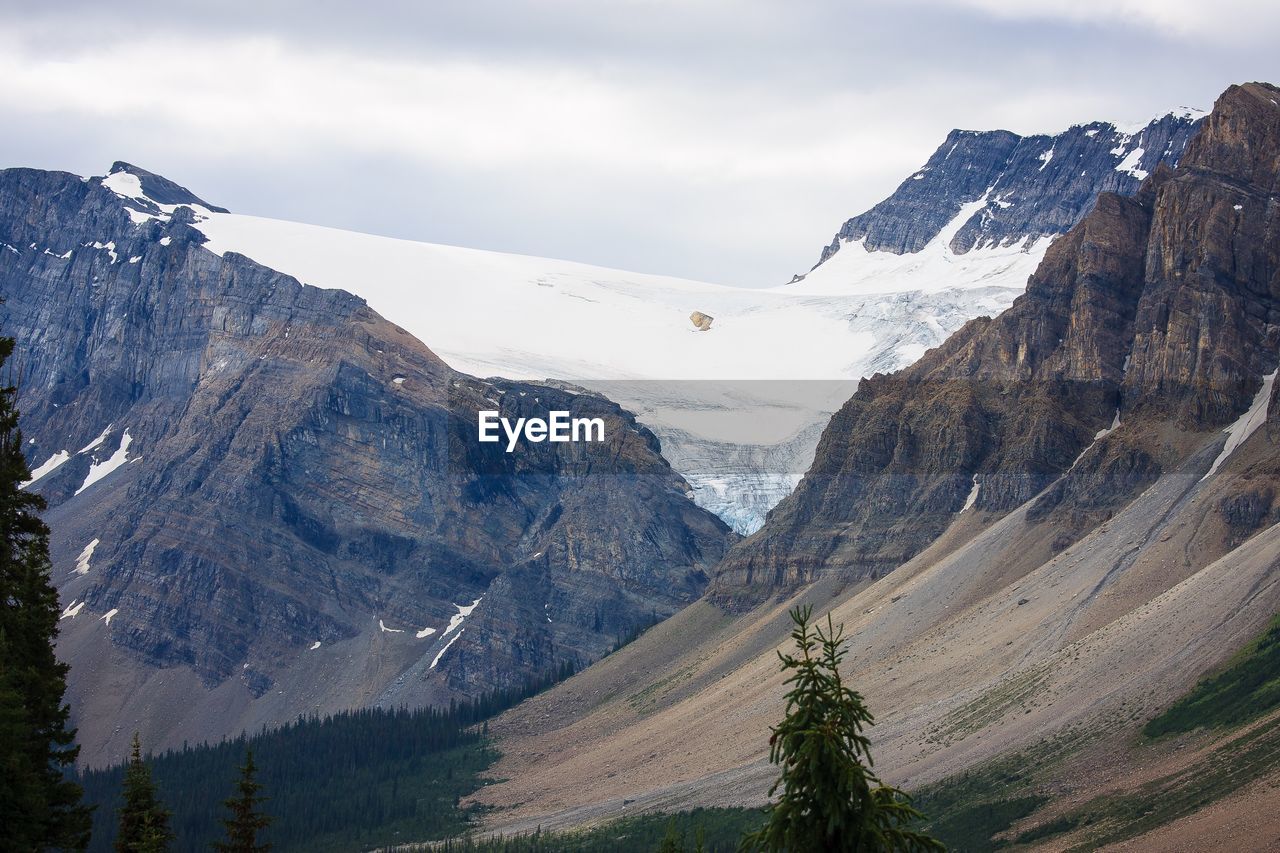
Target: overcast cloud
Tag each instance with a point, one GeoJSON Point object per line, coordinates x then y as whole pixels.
{"type": "Point", "coordinates": [724, 140]}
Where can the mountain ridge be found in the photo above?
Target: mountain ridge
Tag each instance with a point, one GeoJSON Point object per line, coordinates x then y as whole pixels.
{"type": "Point", "coordinates": [271, 499]}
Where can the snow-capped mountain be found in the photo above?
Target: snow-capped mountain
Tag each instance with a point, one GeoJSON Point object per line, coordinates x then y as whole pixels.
{"type": "Point", "coordinates": [958, 239]}
{"type": "Point", "coordinates": [268, 500]}
{"type": "Point", "coordinates": [1015, 189]}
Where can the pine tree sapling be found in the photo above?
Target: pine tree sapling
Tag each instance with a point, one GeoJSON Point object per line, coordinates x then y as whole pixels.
{"type": "Point", "coordinates": [830, 798]}
{"type": "Point", "coordinates": [246, 819]}
{"type": "Point", "coordinates": [144, 822]}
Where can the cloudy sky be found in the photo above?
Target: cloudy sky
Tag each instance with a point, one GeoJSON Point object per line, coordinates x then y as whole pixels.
{"type": "Point", "coordinates": [723, 140]}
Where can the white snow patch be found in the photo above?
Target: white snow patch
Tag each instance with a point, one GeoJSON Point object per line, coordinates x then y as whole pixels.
{"type": "Point", "coordinates": [82, 562]}
{"type": "Point", "coordinates": [314, 646]}
{"type": "Point", "coordinates": [1098, 436]}
{"type": "Point", "coordinates": [1237, 207]}
{"type": "Point", "coordinates": [1130, 164]}
{"type": "Point", "coordinates": [97, 441]}
{"type": "Point", "coordinates": [47, 467]}
{"type": "Point", "coordinates": [973, 494]}
{"type": "Point", "coordinates": [138, 216]}
{"type": "Point", "coordinates": [124, 185]}
{"type": "Point", "coordinates": [387, 630]}
{"type": "Point", "coordinates": [1115, 423]}
{"type": "Point", "coordinates": [463, 612]}
{"type": "Point", "coordinates": [440, 654]}
{"type": "Point", "coordinates": [72, 611]}
{"type": "Point", "coordinates": [1045, 158]}
{"type": "Point", "coordinates": [98, 470]}
{"type": "Point", "coordinates": [1091, 133]}
{"type": "Point", "coordinates": [164, 241]}
{"type": "Point", "coordinates": [854, 270]}
{"type": "Point", "coordinates": [1246, 425]}
{"type": "Point", "coordinates": [135, 259]}
{"type": "Point", "coordinates": [425, 632]}
{"type": "Point", "coordinates": [110, 248]}
{"type": "Point", "coordinates": [399, 380]}
{"type": "Point", "coordinates": [106, 617]}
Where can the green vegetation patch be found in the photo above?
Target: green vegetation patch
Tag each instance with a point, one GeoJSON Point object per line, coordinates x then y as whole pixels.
{"type": "Point", "coordinates": [355, 780]}
{"type": "Point", "coordinates": [1247, 688]}
{"type": "Point", "coordinates": [967, 811]}
{"type": "Point", "coordinates": [1244, 759]}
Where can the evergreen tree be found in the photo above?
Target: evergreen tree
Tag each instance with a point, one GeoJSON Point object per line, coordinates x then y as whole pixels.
{"type": "Point", "coordinates": [831, 800]}
{"type": "Point", "coordinates": [144, 822]}
{"type": "Point", "coordinates": [40, 805]}
{"type": "Point", "coordinates": [246, 819]}
{"type": "Point", "coordinates": [673, 840]}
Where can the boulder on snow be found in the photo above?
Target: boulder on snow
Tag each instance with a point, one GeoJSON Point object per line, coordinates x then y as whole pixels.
{"type": "Point", "coordinates": [701, 321]}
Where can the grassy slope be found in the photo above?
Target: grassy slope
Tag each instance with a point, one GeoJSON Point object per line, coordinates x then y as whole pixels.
{"type": "Point", "coordinates": [1245, 689]}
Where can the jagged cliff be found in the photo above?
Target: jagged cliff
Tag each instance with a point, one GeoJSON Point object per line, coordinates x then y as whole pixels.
{"type": "Point", "coordinates": [1028, 186]}
{"type": "Point", "coordinates": [266, 497]}
{"type": "Point", "coordinates": [1155, 309]}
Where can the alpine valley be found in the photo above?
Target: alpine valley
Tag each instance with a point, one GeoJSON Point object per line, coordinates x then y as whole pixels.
{"type": "Point", "coordinates": [1015, 429]}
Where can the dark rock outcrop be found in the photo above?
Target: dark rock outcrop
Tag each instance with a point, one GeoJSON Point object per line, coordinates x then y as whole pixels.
{"type": "Point", "coordinates": [1159, 313]}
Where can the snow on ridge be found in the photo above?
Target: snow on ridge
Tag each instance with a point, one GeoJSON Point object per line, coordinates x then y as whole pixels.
{"type": "Point", "coordinates": [1247, 424]}
{"type": "Point", "coordinates": [124, 184]}
{"type": "Point", "coordinates": [98, 470]}
{"type": "Point", "coordinates": [934, 269]}
{"type": "Point", "coordinates": [128, 186]}
{"type": "Point", "coordinates": [47, 467]}
{"type": "Point", "coordinates": [109, 247]}
{"type": "Point", "coordinates": [106, 617]}
{"type": "Point", "coordinates": [82, 562]}
{"type": "Point", "coordinates": [594, 322]}
{"type": "Point", "coordinates": [425, 632]}
{"type": "Point", "coordinates": [1130, 163]}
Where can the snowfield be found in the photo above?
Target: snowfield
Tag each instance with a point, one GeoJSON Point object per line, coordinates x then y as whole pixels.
{"type": "Point", "coordinates": [629, 335]}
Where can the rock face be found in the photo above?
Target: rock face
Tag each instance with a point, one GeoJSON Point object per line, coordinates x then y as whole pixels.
{"type": "Point", "coordinates": [281, 505]}
{"type": "Point", "coordinates": [1150, 322]}
{"type": "Point", "coordinates": [1030, 186]}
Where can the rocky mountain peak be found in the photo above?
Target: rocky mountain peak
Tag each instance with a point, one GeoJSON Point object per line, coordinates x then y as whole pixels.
{"type": "Point", "coordinates": [1015, 189]}
{"type": "Point", "coordinates": [150, 193]}
{"type": "Point", "coordinates": [1237, 136]}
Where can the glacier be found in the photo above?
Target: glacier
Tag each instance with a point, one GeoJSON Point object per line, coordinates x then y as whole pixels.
{"type": "Point", "coordinates": [779, 359]}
